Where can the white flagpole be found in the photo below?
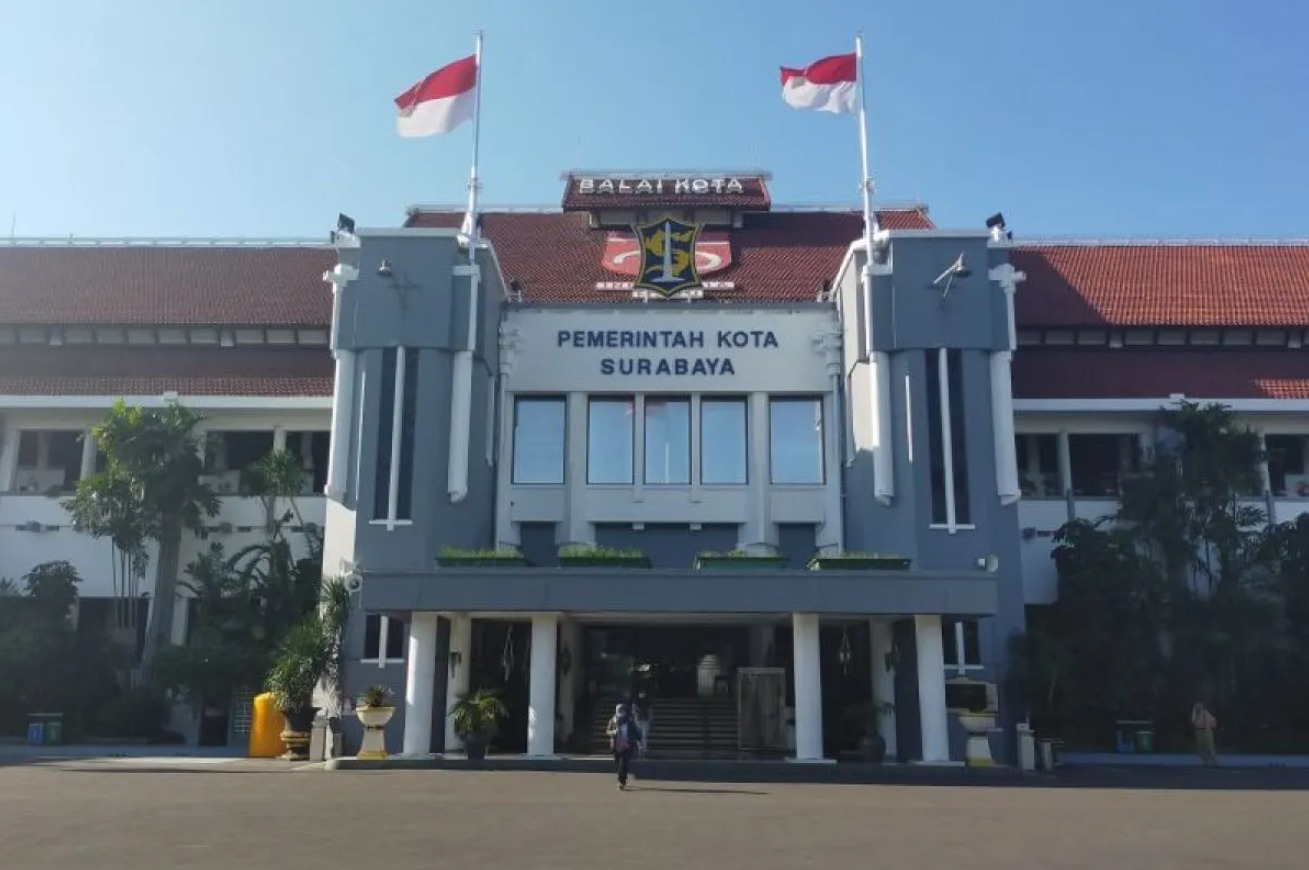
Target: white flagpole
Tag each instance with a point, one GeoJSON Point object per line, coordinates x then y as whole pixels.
{"type": "Point", "coordinates": [870, 217]}
{"type": "Point", "coordinates": [474, 184]}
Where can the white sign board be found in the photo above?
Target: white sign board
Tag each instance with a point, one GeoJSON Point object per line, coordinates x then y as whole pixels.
{"type": "Point", "coordinates": [653, 349]}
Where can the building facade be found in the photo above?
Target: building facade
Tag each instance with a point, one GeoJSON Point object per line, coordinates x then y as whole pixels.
{"type": "Point", "coordinates": [666, 366]}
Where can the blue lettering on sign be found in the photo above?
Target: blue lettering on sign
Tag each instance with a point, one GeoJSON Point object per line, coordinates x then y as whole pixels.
{"type": "Point", "coordinates": [666, 339]}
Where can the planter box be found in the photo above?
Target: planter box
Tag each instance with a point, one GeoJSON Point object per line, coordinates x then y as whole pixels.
{"type": "Point", "coordinates": [604, 562]}
{"type": "Point", "coordinates": [851, 563]}
{"type": "Point", "coordinates": [740, 563]}
{"type": "Point", "coordinates": [482, 562]}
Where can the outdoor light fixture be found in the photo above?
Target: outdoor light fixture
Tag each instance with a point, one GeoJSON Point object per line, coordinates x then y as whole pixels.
{"type": "Point", "coordinates": [384, 270]}
{"type": "Point", "coordinates": [845, 654]}
{"type": "Point", "coordinates": [456, 659]}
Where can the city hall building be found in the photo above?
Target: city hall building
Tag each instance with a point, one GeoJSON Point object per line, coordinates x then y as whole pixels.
{"type": "Point", "coordinates": [668, 442]}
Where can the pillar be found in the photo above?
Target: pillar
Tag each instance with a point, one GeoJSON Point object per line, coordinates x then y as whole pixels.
{"type": "Point", "coordinates": [883, 640]}
{"type": "Point", "coordinates": [570, 639]}
{"type": "Point", "coordinates": [459, 664]}
{"type": "Point", "coordinates": [420, 684]}
{"type": "Point", "coordinates": [1002, 428]}
{"type": "Point", "coordinates": [1066, 473]}
{"type": "Point", "coordinates": [88, 455]}
{"type": "Point", "coordinates": [808, 688]}
{"type": "Point", "coordinates": [9, 458]}
{"type": "Point", "coordinates": [762, 639]}
{"type": "Point", "coordinates": [541, 700]}
{"type": "Point", "coordinates": [931, 689]}
{"type": "Point", "coordinates": [279, 438]}
{"type": "Point", "coordinates": [338, 462]}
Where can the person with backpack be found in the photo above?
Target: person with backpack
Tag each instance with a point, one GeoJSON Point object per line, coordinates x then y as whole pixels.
{"type": "Point", "coordinates": [625, 740]}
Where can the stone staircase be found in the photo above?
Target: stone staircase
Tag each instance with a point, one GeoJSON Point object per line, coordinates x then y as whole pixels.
{"type": "Point", "coordinates": [683, 728]}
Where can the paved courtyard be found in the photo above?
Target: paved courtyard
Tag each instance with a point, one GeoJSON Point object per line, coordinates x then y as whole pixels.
{"type": "Point", "coordinates": [215, 813]}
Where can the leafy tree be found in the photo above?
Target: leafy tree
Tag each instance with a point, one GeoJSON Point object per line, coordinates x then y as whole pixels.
{"type": "Point", "coordinates": [149, 490]}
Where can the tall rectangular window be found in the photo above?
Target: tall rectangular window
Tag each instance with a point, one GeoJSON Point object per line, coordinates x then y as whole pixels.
{"type": "Point", "coordinates": [385, 422]}
{"type": "Point", "coordinates": [539, 438]}
{"type": "Point", "coordinates": [408, 431]}
{"type": "Point", "coordinates": [946, 438]}
{"type": "Point", "coordinates": [795, 440]}
{"type": "Point", "coordinates": [667, 440]}
{"type": "Point", "coordinates": [610, 439]}
{"type": "Point", "coordinates": [723, 441]}
{"type": "Point", "coordinates": [961, 641]}
{"type": "Point", "coordinates": [384, 639]}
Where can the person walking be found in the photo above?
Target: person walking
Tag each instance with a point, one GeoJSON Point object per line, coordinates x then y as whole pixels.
{"type": "Point", "coordinates": [1204, 724]}
{"type": "Point", "coordinates": [625, 740]}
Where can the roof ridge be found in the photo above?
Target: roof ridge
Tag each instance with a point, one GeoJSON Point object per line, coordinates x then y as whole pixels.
{"type": "Point", "coordinates": [459, 207]}
{"type": "Point", "coordinates": [1148, 242]}
{"type": "Point", "coordinates": [71, 241]}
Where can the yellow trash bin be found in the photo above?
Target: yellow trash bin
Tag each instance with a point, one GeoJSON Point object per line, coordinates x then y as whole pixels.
{"type": "Point", "coordinates": [266, 724]}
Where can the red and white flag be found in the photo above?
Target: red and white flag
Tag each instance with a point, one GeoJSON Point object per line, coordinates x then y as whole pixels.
{"type": "Point", "coordinates": [440, 102]}
{"type": "Point", "coordinates": [826, 85]}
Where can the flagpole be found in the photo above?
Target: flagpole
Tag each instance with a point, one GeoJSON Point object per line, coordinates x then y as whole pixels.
{"type": "Point", "coordinates": [474, 184]}
{"type": "Point", "coordinates": [870, 218]}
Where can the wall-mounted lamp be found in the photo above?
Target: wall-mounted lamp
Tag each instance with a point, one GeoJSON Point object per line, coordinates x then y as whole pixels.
{"type": "Point", "coordinates": [385, 270]}
{"type": "Point", "coordinates": [565, 660]}
{"type": "Point", "coordinates": [456, 659]}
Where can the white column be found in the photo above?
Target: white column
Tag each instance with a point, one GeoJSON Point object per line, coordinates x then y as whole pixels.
{"type": "Point", "coordinates": [883, 638]}
{"type": "Point", "coordinates": [420, 684]}
{"type": "Point", "coordinates": [1265, 477]}
{"type": "Point", "coordinates": [541, 700]}
{"type": "Point", "coordinates": [1002, 428]}
{"type": "Point", "coordinates": [88, 455]}
{"type": "Point", "coordinates": [883, 448]}
{"type": "Point", "coordinates": [279, 438]}
{"type": "Point", "coordinates": [343, 397]}
{"type": "Point", "coordinates": [570, 638]}
{"type": "Point", "coordinates": [9, 458]}
{"type": "Point", "coordinates": [1065, 464]}
{"type": "Point", "coordinates": [459, 664]}
{"type": "Point", "coordinates": [808, 688]}
{"type": "Point", "coordinates": [931, 688]}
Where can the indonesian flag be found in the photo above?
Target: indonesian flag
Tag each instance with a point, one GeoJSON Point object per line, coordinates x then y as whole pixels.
{"type": "Point", "coordinates": [440, 102]}
{"type": "Point", "coordinates": [827, 85]}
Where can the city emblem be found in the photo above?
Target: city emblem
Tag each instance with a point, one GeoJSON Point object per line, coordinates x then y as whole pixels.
{"type": "Point", "coordinates": [667, 256]}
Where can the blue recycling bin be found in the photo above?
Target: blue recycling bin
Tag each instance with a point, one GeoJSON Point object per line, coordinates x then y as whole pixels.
{"type": "Point", "coordinates": [35, 732]}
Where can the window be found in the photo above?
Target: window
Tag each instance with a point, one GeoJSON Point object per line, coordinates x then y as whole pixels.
{"type": "Point", "coordinates": [539, 438]}
{"type": "Point", "coordinates": [962, 643]}
{"type": "Point", "coordinates": [1286, 464]}
{"type": "Point", "coordinates": [395, 446]}
{"type": "Point", "coordinates": [1097, 462]}
{"type": "Point", "coordinates": [1038, 465]}
{"type": "Point", "coordinates": [946, 439]}
{"type": "Point", "coordinates": [609, 440]}
{"type": "Point", "coordinates": [723, 441]}
{"type": "Point", "coordinates": [667, 440]}
{"type": "Point", "coordinates": [795, 440]}
{"type": "Point", "coordinates": [384, 639]}
{"type": "Point", "coordinates": [48, 459]}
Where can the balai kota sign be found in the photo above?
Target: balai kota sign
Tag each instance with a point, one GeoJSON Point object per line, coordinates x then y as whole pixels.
{"type": "Point", "coordinates": [589, 186]}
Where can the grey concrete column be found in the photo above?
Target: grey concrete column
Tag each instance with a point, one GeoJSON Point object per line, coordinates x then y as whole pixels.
{"type": "Point", "coordinates": [541, 700]}
{"type": "Point", "coordinates": [882, 633]}
{"type": "Point", "coordinates": [931, 689]}
{"type": "Point", "coordinates": [459, 664]}
{"type": "Point", "coordinates": [808, 688]}
{"type": "Point", "coordinates": [420, 684]}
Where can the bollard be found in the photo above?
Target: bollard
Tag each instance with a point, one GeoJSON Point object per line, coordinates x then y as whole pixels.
{"type": "Point", "coordinates": [1026, 747]}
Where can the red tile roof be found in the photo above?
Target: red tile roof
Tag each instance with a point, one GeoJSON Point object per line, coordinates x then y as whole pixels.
{"type": "Point", "coordinates": [753, 196]}
{"type": "Point", "coordinates": [776, 257]}
{"type": "Point", "coordinates": [160, 284]}
{"type": "Point", "coordinates": [1109, 373]}
{"type": "Point", "coordinates": [99, 370]}
{"type": "Point", "coordinates": [1163, 285]}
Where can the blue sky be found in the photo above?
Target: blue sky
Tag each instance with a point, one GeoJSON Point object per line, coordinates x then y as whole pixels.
{"type": "Point", "coordinates": [257, 118]}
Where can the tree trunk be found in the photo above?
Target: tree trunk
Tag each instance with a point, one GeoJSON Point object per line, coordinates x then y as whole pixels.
{"type": "Point", "coordinates": [160, 630]}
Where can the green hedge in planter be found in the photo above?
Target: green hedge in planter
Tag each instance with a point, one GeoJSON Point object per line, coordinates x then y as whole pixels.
{"type": "Point", "coordinates": [584, 556]}
{"type": "Point", "coordinates": [858, 562]}
{"type": "Point", "coordinates": [738, 560]}
{"type": "Point", "coordinates": [454, 557]}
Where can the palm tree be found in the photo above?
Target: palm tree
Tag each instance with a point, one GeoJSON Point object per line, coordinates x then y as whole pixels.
{"type": "Point", "coordinates": [149, 489]}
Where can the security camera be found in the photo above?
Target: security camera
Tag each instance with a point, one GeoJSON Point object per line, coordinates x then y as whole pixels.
{"type": "Point", "coordinates": [354, 581]}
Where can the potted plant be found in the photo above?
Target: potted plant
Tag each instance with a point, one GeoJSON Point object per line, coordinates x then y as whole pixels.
{"type": "Point", "coordinates": [456, 557]}
{"type": "Point", "coordinates": [738, 560]}
{"type": "Point", "coordinates": [304, 659]}
{"type": "Point", "coordinates": [476, 719]}
{"type": "Point", "coordinates": [852, 561]}
{"type": "Point", "coordinates": [374, 709]}
{"type": "Point", "coordinates": [862, 722]}
{"type": "Point", "coordinates": [592, 556]}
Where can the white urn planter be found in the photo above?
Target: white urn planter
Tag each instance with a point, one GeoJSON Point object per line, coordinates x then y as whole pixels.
{"type": "Point", "coordinates": [374, 720]}
{"type": "Point", "coordinates": [979, 727]}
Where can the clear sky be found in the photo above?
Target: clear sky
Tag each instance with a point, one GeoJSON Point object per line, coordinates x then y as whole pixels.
{"type": "Point", "coordinates": [259, 118]}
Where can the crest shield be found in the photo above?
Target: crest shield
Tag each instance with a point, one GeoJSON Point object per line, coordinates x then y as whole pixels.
{"type": "Point", "coordinates": [667, 263]}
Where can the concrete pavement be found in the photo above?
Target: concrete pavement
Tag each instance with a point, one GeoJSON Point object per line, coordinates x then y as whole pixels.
{"type": "Point", "coordinates": [205, 813]}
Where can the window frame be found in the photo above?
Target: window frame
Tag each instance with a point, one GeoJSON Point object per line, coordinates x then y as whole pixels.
{"type": "Point", "coordinates": [607, 399]}
{"type": "Point", "coordinates": [383, 638]}
{"type": "Point", "coordinates": [811, 399]}
{"type": "Point", "coordinates": [645, 437]}
{"type": "Point", "coordinates": [540, 398]}
{"type": "Point", "coordinates": [961, 664]}
{"type": "Point", "coordinates": [743, 401]}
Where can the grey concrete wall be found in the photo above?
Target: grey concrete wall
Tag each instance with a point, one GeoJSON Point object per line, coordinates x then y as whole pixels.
{"type": "Point", "coordinates": [668, 545]}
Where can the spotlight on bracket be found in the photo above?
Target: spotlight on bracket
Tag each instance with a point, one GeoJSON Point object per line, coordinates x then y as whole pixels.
{"type": "Point", "coordinates": [385, 270]}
